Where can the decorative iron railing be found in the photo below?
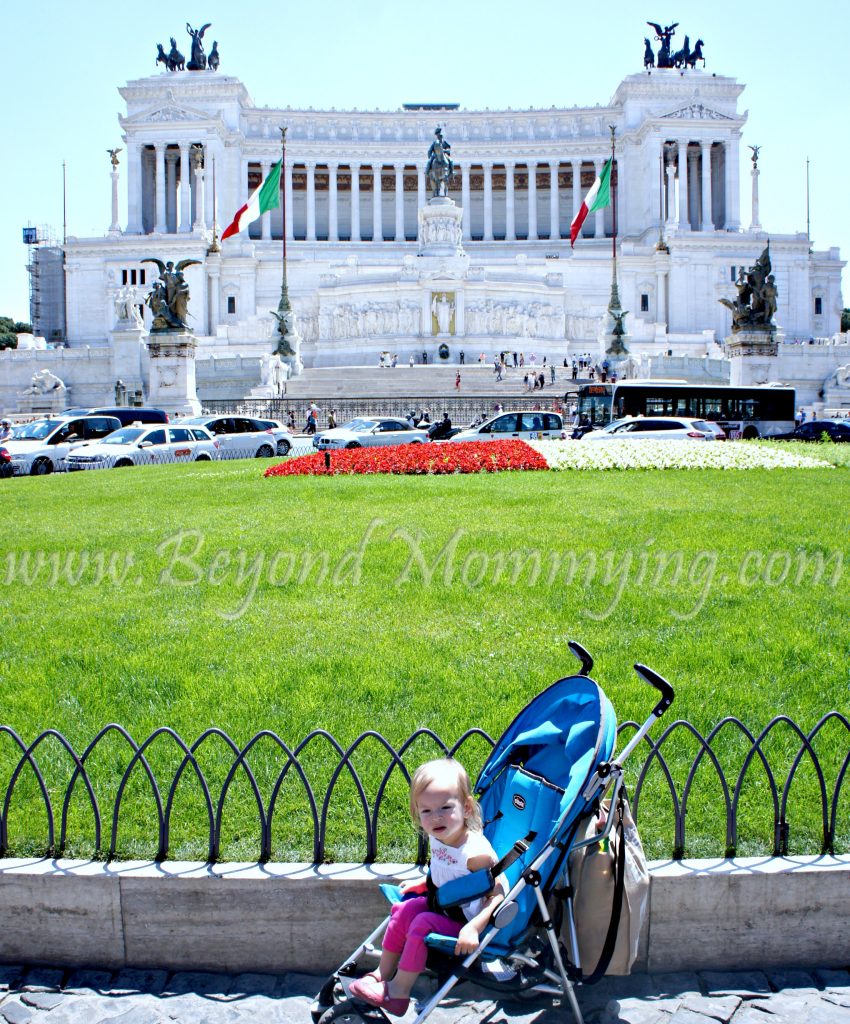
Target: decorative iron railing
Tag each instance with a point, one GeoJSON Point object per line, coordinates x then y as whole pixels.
{"type": "Point", "coordinates": [784, 785]}
{"type": "Point", "coordinates": [462, 409]}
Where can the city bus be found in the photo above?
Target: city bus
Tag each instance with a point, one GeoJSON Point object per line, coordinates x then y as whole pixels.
{"type": "Point", "coordinates": [742, 412]}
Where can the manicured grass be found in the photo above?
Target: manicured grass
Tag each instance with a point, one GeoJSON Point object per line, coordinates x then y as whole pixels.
{"type": "Point", "coordinates": [402, 644]}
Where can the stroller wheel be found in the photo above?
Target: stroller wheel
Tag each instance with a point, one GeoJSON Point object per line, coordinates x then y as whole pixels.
{"type": "Point", "coordinates": [349, 1012]}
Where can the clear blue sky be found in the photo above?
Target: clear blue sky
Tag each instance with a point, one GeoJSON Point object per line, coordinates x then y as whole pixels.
{"type": "Point", "coordinates": [62, 64]}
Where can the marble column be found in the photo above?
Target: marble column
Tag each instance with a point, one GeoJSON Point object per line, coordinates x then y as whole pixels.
{"type": "Point", "coordinates": [464, 200]}
{"type": "Point", "coordinates": [420, 186]}
{"type": "Point", "coordinates": [670, 173]}
{"type": "Point", "coordinates": [114, 227]}
{"type": "Point", "coordinates": [377, 215]}
{"type": "Point", "coordinates": [265, 166]}
{"type": "Point", "coordinates": [159, 224]}
{"type": "Point", "coordinates": [399, 202]}
{"type": "Point", "coordinates": [554, 205]}
{"type": "Point", "coordinates": [171, 158]}
{"type": "Point", "coordinates": [333, 203]}
{"type": "Point", "coordinates": [733, 186]}
{"type": "Point", "coordinates": [577, 196]}
{"type": "Point", "coordinates": [488, 201]}
{"type": "Point", "coordinates": [661, 296]}
{"type": "Point", "coordinates": [706, 224]}
{"type": "Point", "coordinates": [532, 200]}
{"type": "Point", "coordinates": [599, 215]}
{"type": "Point", "coordinates": [684, 220]}
{"type": "Point", "coordinates": [134, 188]}
{"type": "Point", "coordinates": [510, 207]}
{"type": "Point", "coordinates": [355, 202]}
{"type": "Point", "coordinates": [287, 201]}
{"type": "Point", "coordinates": [185, 187]}
{"type": "Point", "coordinates": [200, 195]}
{"type": "Point", "coordinates": [755, 225]}
{"type": "Point", "coordinates": [310, 168]}
{"type": "Point", "coordinates": [213, 268]}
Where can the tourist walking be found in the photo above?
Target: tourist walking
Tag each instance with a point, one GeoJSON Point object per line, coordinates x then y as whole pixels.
{"type": "Point", "coordinates": [462, 357]}
{"type": "Point", "coordinates": [552, 372]}
{"type": "Point", "coordinates": [457, 381]}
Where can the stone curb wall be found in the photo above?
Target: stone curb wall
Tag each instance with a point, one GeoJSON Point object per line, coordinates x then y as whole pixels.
{"type": "Point", "coordinates": [703, 914]}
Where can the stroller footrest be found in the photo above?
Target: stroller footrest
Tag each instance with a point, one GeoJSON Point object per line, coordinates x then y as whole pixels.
{"type": "Point", "coordinates": [443, 943]}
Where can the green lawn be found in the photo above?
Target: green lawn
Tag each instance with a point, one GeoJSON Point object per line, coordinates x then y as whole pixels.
{"type": "Point", "coordinates": [446, 604]}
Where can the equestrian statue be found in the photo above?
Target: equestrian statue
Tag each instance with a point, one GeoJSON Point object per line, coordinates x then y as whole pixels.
{"type": "Point", "coordinates": [440, 166]}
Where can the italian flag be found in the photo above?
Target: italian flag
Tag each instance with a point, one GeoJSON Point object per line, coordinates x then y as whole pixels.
{"type": "Point", "coordinates": [598, 197]}
{"type": "Point", "coordinates": [266, 197]}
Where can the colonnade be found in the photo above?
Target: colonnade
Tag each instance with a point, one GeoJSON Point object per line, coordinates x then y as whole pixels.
{"type": "Point", "coordinates": [165, 188]}
{"type": "Point", "coordinates": [507, 188]}
{"type": "Point", "coordinates": [326, 200]}
{"type": "Point", "coordinates": [700, 184]}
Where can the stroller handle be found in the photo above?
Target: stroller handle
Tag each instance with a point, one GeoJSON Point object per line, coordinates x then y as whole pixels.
{"type": "Point", "coordinates": [660, 684]}
{"type": "Point", "coordinates": [583, 656]}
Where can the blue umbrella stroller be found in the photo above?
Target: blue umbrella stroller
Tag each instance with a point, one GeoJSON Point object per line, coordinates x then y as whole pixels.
{"type": "Point", "coordinates": [546, 775]}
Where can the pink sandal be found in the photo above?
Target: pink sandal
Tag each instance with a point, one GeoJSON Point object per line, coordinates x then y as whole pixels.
{"type": "Point", "coordinates": [376, 993]}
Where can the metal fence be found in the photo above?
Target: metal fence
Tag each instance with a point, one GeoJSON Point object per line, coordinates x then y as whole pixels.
{"type": "Point", "coordinates": [781, 777]}
{"type": "Point", "coordinates": [461, 409]}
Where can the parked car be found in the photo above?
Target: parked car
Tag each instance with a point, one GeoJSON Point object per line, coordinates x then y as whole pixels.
{"type": "Point", "coordinates": [146, 445]}
{"type": "Point", "coordinates": [239, 437]}
{"type": "Point", "coordinates": [835, 430]}
{"type": "Point", "coordinates": [5, 463]}
{"type": "Point", "coordinates": [654, 428]}
{"type": "Point", "coordinates": [129, 415]}
{"type": "Point", "coordinates": [42, 446]}
{"type": "Point", "coordinates": [282, 434]}
{"type": "Point", "coordinates": [368, 431]}
{"type": "Point", "coordinates": [528, 426]}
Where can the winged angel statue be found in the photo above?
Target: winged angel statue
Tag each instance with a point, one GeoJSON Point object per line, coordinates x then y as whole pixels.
{"type": "Point", "coordinates": [169, 297]}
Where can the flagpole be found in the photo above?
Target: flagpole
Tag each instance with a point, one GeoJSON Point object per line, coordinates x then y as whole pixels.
{"type": "Point", "coordinates": [284, 308]}
{"type": "Point", "coordinates": [614, 303]}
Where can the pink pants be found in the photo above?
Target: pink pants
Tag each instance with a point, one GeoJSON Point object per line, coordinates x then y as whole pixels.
{"type": "Point", "coordinates": [410, 922]}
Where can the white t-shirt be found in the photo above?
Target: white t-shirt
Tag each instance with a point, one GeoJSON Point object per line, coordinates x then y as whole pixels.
{"type": "Point", "coordinates": [450, 862]}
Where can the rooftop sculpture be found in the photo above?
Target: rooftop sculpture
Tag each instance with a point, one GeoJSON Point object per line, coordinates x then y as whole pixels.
{"type": "Point", "coordinates": [198, 60]}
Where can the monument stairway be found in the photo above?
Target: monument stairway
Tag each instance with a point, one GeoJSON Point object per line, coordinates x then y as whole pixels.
{"type": "Point", "coordinates": [418, 381]}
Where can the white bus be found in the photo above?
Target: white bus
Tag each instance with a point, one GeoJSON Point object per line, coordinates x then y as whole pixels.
{"type": "Point", "coordinates": [742, 412]}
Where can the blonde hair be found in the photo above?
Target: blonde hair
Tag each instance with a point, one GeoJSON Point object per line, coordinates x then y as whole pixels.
{"type": "Point", "coordinates": [451, 773]}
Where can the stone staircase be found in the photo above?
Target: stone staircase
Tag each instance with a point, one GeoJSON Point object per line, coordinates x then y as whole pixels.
{"type": "Point", "coordinates": [417, 381]}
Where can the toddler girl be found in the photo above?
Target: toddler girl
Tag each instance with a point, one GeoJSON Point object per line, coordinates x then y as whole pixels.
{"type": "Point", "coordinates": [442, 806]}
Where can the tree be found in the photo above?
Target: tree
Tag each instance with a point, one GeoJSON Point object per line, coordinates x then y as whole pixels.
{"type": "Point", "coordinates": [9, 331]}
{"type": "Point", "coordinates": [845, 320]}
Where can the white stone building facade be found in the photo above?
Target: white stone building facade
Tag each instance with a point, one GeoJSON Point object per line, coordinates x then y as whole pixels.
{"type": "Point", "coordinates": [196, 145]}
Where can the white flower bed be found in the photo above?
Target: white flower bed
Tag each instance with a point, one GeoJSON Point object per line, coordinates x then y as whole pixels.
{"type": "Point", "coordinates": [670, 455]}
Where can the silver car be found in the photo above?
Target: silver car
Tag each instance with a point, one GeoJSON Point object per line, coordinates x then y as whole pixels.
{"type": "Point", "coordinates": [369, 431]}
{"type": "Point", "coordinates": [239, 437]}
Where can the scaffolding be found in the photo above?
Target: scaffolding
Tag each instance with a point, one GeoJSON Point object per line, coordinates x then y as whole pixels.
{"type": "Point", "coordinates": [46, 270]}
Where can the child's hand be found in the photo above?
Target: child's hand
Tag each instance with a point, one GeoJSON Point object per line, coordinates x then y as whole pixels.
{"type": "Point", "coordinates": [414, 886]}
{"type": "Point", "coordinates": [467, 941]}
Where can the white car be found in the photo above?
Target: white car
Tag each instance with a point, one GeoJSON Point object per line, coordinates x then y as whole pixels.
{"type": "Point", "coordinates": [282, 434]}
{"type": "Point", "coordinates": [239, 437]}
{"type": "Point", "coordinates": [654, 428]}
{"type": "Point", "coordinates": [43, 446]}
{"type": "Point", "coordinates": [146, 445]}
{"type": "Point", "coordinates": [527, 426]}
{"type": "Point", "coordinates": [368, 431]}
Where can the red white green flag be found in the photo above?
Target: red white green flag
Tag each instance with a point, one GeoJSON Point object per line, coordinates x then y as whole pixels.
{"type": "Point", "coordinates": [265, 197]}
{"type": "Point", "coordinates": [598, 197]}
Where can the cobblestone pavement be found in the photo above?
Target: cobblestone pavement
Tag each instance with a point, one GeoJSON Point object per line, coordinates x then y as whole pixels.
{"type": "Point", "coordinates": [32, 995]}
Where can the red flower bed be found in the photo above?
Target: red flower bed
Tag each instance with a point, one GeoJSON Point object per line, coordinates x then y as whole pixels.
{"type": "Point", "coordinates": [457, 457]}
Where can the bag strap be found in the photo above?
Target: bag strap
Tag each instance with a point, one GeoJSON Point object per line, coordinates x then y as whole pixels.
{"type": "Point", "coordinates": [617, 905]}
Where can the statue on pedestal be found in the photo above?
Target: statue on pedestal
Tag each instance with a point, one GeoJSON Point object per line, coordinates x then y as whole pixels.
{"type": "Point", "coordinates": [440, 166]}
{"type": "Point", "coordinates": [169, 297]}
{"type": "Point", "coordinates": [755, 306]}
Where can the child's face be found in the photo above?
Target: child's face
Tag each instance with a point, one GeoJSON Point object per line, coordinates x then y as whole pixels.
{"type": "Point", "coordinates": [442, 814]}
